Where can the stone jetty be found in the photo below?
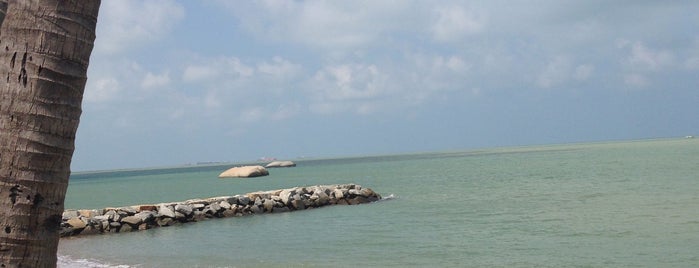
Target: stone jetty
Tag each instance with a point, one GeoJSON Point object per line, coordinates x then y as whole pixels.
{"type": "Point", "coordinates": [142, 217]}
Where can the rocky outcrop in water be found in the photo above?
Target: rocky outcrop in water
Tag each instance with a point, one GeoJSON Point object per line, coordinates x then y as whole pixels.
{"type": "Point", "coordinates": [244, 172]}
{"type": "Point", "coordinates": [142, 217]}
{"type": "Point", "coordinates": [279, 164]}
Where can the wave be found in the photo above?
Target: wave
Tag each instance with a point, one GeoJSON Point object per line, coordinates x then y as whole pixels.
{"type": "Point", "coordinates": [67, 262]}
{"type": "Point", "coordinates": [389, 197]}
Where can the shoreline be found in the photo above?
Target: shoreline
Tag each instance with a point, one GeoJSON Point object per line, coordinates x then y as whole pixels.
{"type": "Point", "coordinates": [148, 216]}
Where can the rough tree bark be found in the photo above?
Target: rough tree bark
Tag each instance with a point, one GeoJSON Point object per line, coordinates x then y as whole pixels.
{"type": "Point", "coordinates": [45, 47]}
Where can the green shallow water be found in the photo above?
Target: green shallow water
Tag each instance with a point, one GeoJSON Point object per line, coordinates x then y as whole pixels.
{"type": "Point", "coordinates": [620, 204]}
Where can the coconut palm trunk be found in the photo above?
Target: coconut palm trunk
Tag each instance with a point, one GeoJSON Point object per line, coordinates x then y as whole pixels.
{"type": "Point", "coordinates": [45, 47]}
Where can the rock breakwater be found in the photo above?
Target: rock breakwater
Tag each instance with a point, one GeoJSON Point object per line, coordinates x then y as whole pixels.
{"type": "Point", "coordinates": [142, 217]}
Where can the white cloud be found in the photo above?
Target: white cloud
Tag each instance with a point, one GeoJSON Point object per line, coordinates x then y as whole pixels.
{"type": "Point", "coordinates": [285, 111]}
{"type": "Point", "coordinates": [454, 22]}
{"type": "Point", "coordinates": [199, 72]}
{"type": "Point", "coordinates": [556, 72]}
{"type": "Point", "coordinates": [636, 80]}
{"type": "Point", "coordinates": [430, 74]}
{"type": "Point", "coordinates": [348, 82]}
{"type": "Point", "coordinates": [642, 61]}
{"type": "Point", "coordinates": [125, 24]}
{"type": "Point", "coordinates": [254, 114]}
{"type": "Point", "coordinates": [282, 112]}
{"type": "Point", "coordinates": [212, 100]}
{"type": "Point", "coordinates": [279, 67]}
{"type": "Point", "coordinates": [101, 89]}
{"type": "Point", "coordinates": [456, 64]}
{"type": "Point", "coordinates": [583, 72]}
{"type": "Point", "coordinates": [562, 70]}
{"type": "Point", "coordinates": [692, 61]}
{"type": "Point", "coordinates": [347, 87]}
{"type": "Point", "coordinates": [212, 69]}
{"type": "Point", "coordinates": [154, 81]}
{"type": "Point", "coordinates": [336, 26]}
{"type": "Point", "coordinates": [647, 58]}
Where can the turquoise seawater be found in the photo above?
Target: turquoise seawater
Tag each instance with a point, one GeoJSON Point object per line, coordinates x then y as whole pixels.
{"type": "Point", "coordinates": [615, 204]}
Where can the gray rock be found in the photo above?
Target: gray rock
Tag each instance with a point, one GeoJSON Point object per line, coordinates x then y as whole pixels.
{"type": "Point", "coordinates": [215, 207]}
{"type": "Point", "coordinates": [338, 194]}
{"type": "Point", "coordinates": [122, 214]}
{"type": "Point", "coordinates": [101, 218]}
{"type": "Point", "coordinates": [308, 203]}
{"type": "Point", "coordinates": [225, 205]}
{"type": "Point", "coordinates": [198, 215]}
{"type": "Point", "coordinates": [280, 209]}
{"type": "Point", "coordinates": [113, 215]}
{"type": "Point", "coordinates": [258, 202]}
{"type": "Point", "coordinates": [322, 198]}
{"type": "Point", "coordinates": [184, 209]}
{"type": "Point", "coordinates": [180, 216]}
{"type": "Point", "coordinates": [70, 214]}
{"type": "Point", "coordinates": [129, 211]}
{"type": "Point", "coordinates": [366, 192]}
{"type": "Point", "coordinates": [255, 209]}
{"type": "Point", "coordinates": [261, 195]}
{"type": "Point", "coordinates": [357, 200]}
{"type": "Point", "coordinates": [145, 215]}
{"type": "Point", "coordinates": [76, 223]}
{"type": "Point", "coordinates": [243, 200]}
{"type": "Point", "coordinates": [285, 195]}
{"type": "Point", "coordinates": [196, 201]}
{"type": "Point", "coordinates": [90, 230]}
{"type": "Point", "coordinates": [298, 204]}
{"type": "Point", "coordinates": [228, 213]}
{"type": "Point", "coordinates": [165, 211]}
{"type": "Point", "coordinates": [232, 200]}
{"type": "Point", "coordinates": [236, 208]}
{"type": "Point", "coordinates": [268, 205]}
{"type": "Point", "coordinates": [353, 192]}
{"type": "Point", "coordinates": [125, 228]}
{"type": "Point", "coordinates": [89, 213]}
{"type": "Point", "coordinates": [164, 221]}
{"type": "Point", "coordinates": [133, 220]}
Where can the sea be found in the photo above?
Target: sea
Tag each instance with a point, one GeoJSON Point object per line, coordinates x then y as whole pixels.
{"type": "Point", "coordinates": [602, 204]}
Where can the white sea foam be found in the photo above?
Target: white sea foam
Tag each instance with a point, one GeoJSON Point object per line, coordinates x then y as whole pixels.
{"type": "Point", "coordinates": [68, 262]}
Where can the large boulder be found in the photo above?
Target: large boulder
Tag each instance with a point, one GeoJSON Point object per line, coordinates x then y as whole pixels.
{"type": "Point", "coordinates": [277, 164]}
{"type": "Point", "coordinates": [133, 220]}
{"type": "Point", "coordinates": [244, 172]}
{"type": "Point", "coordinates": [76, 223]}
{"type": "Point", "coordinates": [166, 211]}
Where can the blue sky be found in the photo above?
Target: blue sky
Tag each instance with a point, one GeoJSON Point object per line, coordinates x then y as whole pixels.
{"type": "Point", "coordinates": [177, 82]}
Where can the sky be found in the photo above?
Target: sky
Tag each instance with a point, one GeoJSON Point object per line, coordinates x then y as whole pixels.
{"type": "Point", "coordinates": [181, 82]}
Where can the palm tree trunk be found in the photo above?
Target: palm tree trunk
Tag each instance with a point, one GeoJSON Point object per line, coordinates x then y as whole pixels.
{"type": "Point", "coordinates": [45, 47]}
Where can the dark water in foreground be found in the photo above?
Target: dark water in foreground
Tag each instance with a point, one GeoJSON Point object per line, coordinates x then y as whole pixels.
{"type": "Point", "coordinates": [620, 204]}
